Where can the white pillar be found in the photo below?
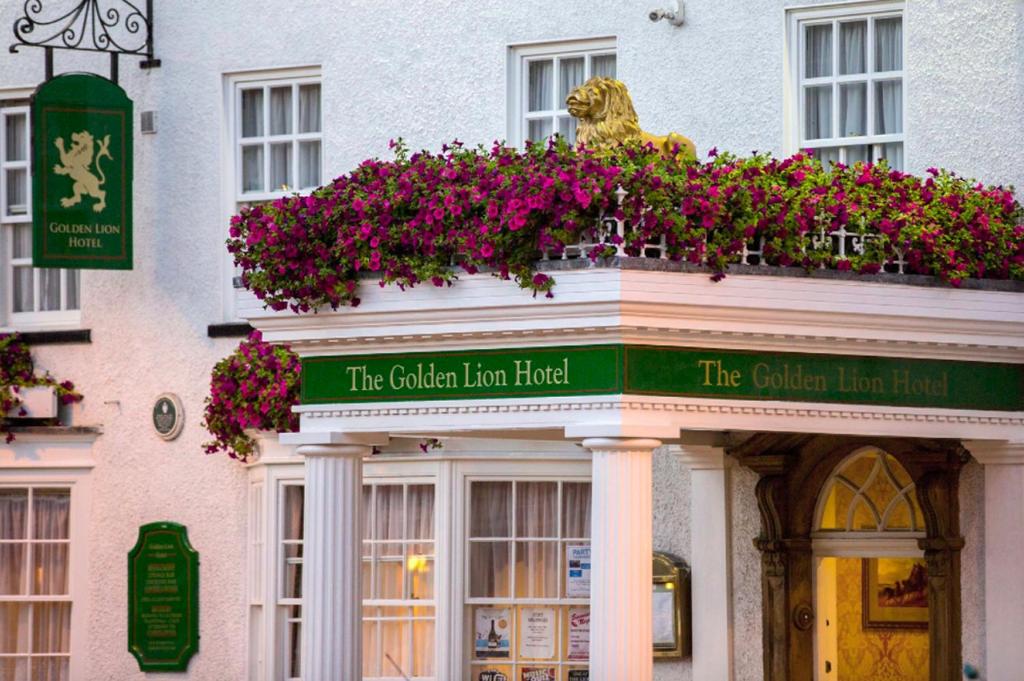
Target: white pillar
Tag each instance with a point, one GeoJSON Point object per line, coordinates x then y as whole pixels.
{"type": "Point", "coordinates": [710, 564]}
{"type": "Point", "coordinates": [1004, 557]}
{"type": "Point", "coordinates": [332, 647]}
{"type": "Point", "coordinates": [621, 636]}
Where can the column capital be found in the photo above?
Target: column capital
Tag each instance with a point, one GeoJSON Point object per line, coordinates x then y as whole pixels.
{"type": "Point", "coordinates": [358, 451]}
{"type": "Point", "coordinates": [702, 457]}
{"type": "Point", "coordinates": [996, 452]}
{"type": "Point", "coordinates": [621, 444]}
{"type": "Point", "coordinates": [329, 438]}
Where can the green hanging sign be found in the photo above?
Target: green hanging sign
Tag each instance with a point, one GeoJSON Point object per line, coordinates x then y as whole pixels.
{"type": "Point", "coordinates": [163, 598]}
{"type": "Point", "coordinates": [82, 174]}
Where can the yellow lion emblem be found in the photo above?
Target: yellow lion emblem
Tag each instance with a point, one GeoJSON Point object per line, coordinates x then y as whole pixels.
{"type": "Point", "coordinates": [75, 163]}
{"type": "Point", "coordinates": [607, 118]}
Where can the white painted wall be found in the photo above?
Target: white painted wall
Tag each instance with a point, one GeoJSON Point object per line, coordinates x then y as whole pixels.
{"type": "Point", "coordinates": [431, 72]}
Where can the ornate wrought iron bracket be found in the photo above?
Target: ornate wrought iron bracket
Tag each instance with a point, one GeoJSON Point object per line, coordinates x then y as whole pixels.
{"type": "Point", "coordinates": [115, 27]}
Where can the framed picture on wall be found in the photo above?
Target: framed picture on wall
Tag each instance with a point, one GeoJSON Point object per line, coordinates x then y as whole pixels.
{"type": "Point", "coordinates": [895, 593]}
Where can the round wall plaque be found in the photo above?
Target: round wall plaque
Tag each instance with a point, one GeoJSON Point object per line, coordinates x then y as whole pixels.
{"type": "Point", "coordinates": [168, 416]}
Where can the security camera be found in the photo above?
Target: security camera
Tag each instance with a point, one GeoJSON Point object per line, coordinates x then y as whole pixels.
{"type": "Point", "coordinates": [674, 17]}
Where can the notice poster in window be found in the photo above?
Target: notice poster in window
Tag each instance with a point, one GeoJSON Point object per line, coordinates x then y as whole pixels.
{"type": "Point", "coordinates": [537, 633]}
{"type": "Point", "coordinates": [537, 674]}
{"type": "Point", "coordinates": [577, 576]}
{"type": "Point", "coordinates": [579, 634]}
{"type": "Point", "coordinates": [578, 675]}
{"type": "Point", "coordinates": [493, 626]}
{"type": "Point", "coordinates": [493, 674]}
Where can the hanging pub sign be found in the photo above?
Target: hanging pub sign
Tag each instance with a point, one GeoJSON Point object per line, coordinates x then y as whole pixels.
{"type": "Point", "coordinates": [163, 598]}
{"type": "Point", "coordinates": [82, 174]}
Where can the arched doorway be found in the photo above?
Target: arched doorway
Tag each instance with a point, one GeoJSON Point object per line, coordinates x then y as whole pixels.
{"type": "Point", "coordinates": [871, 600]}
{"type": "Point", "coordinates": [795, 470]}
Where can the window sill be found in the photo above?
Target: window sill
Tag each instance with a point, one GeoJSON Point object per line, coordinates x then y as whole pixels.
{"type": "Point", "coordinates": [229, 330]}
{"type": "Point", "coordinates": [56, 337]}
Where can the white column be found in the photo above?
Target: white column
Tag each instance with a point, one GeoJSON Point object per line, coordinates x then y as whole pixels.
{"type": "Point", "coordinates": [332, 647]}
{"type": "Point", "coordinates": [1004, 557]}
{"type": "Point", "coordinates": [710, 564]}
{"type": "Point", "coordinates": [621, 637]}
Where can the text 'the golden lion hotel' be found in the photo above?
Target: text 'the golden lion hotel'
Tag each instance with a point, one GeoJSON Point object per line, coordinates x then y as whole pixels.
{"type": "Point", "coordinates": [787, 474]}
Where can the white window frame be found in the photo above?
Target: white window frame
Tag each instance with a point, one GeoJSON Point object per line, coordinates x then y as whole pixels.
{"type": "Point", "coordinates": [451, 472]}
{"type": "Point", "coordinates": [231, 185]}
{"type": "Point", "coordinates": [51, 471]}
{"type": "Point", "coordinates": [794, 81]}
{"type": "Point", "coordinates": [519, 58]}
{"type": "Point", "coordinates": [36, 319]}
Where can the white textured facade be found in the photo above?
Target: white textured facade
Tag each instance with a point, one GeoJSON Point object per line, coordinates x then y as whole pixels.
{"type": "Point", "coordinates": [431, 72]}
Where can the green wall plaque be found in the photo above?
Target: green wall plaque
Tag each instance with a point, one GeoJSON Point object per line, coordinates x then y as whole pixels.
{"type": "Point", "coordinates": [668, 371]}
{"type": "Point", "coordinates": [163, 598]}
{"type": "Point", "coordinates": [81, 174]}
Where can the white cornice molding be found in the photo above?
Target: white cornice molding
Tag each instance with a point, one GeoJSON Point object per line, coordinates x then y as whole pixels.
{"type": "Point", "coordinates": [702, 457]}
{"type": "Point", "coordinates": [991, 453]}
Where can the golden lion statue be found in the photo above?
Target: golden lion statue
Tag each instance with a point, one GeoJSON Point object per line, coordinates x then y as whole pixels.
{"type": "Point", "coordinates": [75, 162]}
{"type": "Point", "coordinates": [607, 118]}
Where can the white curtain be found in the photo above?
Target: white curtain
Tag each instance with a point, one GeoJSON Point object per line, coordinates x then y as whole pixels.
{"type": "Point", "coordinates": [853, 109]}
{"type": "Point", "coordinates": [852, 38]}
{"type": "Point", "coordinates": [893, 153]}
{"type": "Point", "coordinates": [818, 112]}
{"type": "Point", "coordinates": [309, 164]}
{"type": "Point", "coordinates": [252, 113]}
{"type": "Point", "coordinates": [889, 44]}
{"type": "Point", "coordinates": [889, 104]}
{"type": "Point", "coordinates": [603, 65]}
{"type": "Point", "coordinates": [540, 85]}
{"type": "Point", "coordinates": [281, 110]}
{"type": "Point", "coordinates": [490, 516]}
{"type": "Point", "coordinates": [49, 289]}
{"type": "Point", "coordinates": [280, 166]}
{"type": "Point", "coordinates": [818, 51]}
{"type": "Point", "coordinates": [309, 108]}
{"type": "Point", "coordinates": [72, 288]}
{"type": "Point", "coordinates": [252, 168]}
{"type": "Point", "coordinates": [537, 561]}
{"type": "Point", "coordinates": [50, 621]}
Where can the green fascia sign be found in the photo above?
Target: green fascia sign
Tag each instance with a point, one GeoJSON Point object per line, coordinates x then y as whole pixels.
{"type": "Point", "coordinates": [81, 174]}
{"type": "Point", "coordinates": [664, 371]}
{"type": "Point", "coordinates": [163, 598]}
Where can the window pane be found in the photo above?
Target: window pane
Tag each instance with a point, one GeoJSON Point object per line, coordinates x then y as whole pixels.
{"type": "Point", "coordinates": [13, 635]}
{"type": "Point", "coordinates": [889, 44]}
{"type": "Point", "coordinates": [50, 568]}
{"type": "Point", "coordinates": [294, 651]}
{"type": "Point", "coordinates": [281, 110]}
{"type": "Point", "coordinates": [51, 628]}
{"type": "Point", "coordinates": [603, 65]}
{"type": "Point", "coordinates": [390, 512]}
{"type": "Point", "coordinates": [23, 295]}
{"type": "Point", "coordinates": [13, 513]}
{"type": "Point", "coordinates": [539, 131]}
{"type": "Point", "coordinates": [389, 578]}
{"type": "Point", "coordinates": [421, 511]}
{"type": "Point", "coordinates": [17, 137]}
{"type": "Point", "coordinates": [292, 571]}
{"type": "Point", "coordinates": [893, 153]}
{"type": "Point", "coordinates": [576, 510]}
{"type": "Point", "coordinates": [17, 191]}
{"type": "Point", "coordinates": [394, 645]}
{"type": "Point", "coordinates": [72, 286]}
{"type": "Point", "coordinates": [370, 662]}
{"type": "Point", "coordinates": [567, 127]}
{"type": "Point", "coordinates": [51, 668]}
{"type": "Point", "coordinates": [537, 509]}
{"type": "Point", "coordinates": [252, 168]}
{"type": "Point", "coordinates": [489, 569]}
{"type": "Point", "coordinates": [570, 75]}
{"type": "Point", "coordinates": [853, 108]}
{"type": "Point", "coordinates": [293, 499]}
{"type": "Point", "coordinates": [15, 669]}
{"type": "Point", "coordinates": [309, 164]}
{"type": "Point", "coordinates": [818, 112]}
{"type": "Point", "coordinates": [252, 113]}
{"type": "Point", "coordinates": [818, 51]}
{"type": "Point", "coordinates": [858, 154]}
{"type": "Point", "coordinates": [852, 36]}
{"type": "Point", "coordinates": [536, 569]}
{"type": "Point", "coordinates": [12, 569]}
{"type": "Point", "coordinates": [49, 289]}
{"type": "Point", "coordinates": [50, 509]}
{"type": "Point", "coordinates": [280, 166]}
{"type": "Point", "coordinates": [540, 85]}
{"type": "Point", "coordinates": [423, 648]}
{"type": "Point", "coordinates": [888, 107]}
{"type": "Point", "coordinates": [23, 241]}
{"type": "Point", "coordinates": [491, 509]}
{"type": "Point", "coordinates": [420, 567]}
{"type": "Point", "coordinates": [827, 155]}
{"type": "Point", "coordinates": [309, 108]}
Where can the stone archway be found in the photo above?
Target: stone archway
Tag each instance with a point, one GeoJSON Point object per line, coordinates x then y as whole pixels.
{"type": "Point", "coordinates": [793, 469]}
